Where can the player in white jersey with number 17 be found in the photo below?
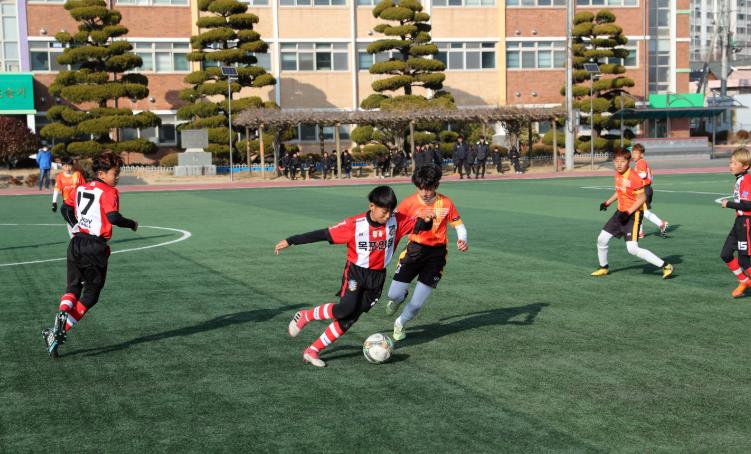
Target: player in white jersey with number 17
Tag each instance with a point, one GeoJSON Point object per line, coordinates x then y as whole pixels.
{"type": "Point", "coordinates": [97, 209]}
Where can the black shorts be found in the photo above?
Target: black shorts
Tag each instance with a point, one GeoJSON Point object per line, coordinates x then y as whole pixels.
{"type": "Point", "coordinates": [740, 236]}
{"type": "Point", "coordinates": [629, 230]}
{"type": "Point", "coordinates": [361, 288]}
{"type": "Point", "coordinates": [649, 193]}
{"type": "Point", "coordinates": [426, 262]}
{"type": "Point", "coordinates": [87, 263]}
{"type": "Point", "coordinates": [69, 214]}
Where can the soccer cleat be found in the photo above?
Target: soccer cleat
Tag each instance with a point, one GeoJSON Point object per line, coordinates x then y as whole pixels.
{"type": "Point", "coordinates": [392, 306]}
{"type": "Point", "coordinates": [399, 333]}
{"type": "Point", "coordinates": [311, 356]}
{"type": "Point", "coordinates": [50, 342]}
{"type": "Point", "coordinates": [741, 289]}
{"type": "Point", "coordinates": [296, 324]}
{"type": "Point", "coordinates": [667, 271]}
{"type": "Point", "coordinates": [602, 271]}
{"type": "Point", "coordinates": [663, 227]}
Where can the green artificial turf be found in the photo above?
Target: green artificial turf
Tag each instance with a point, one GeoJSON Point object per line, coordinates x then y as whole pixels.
{"type": "Point", "coordinates": [519, 349]}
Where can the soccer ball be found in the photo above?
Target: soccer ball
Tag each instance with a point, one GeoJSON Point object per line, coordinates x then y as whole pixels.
{"type": "Point", "coordinates": [378, 348]}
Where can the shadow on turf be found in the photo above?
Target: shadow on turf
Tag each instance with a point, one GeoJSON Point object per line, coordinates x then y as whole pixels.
{"type": "Point", "coordinates": [521, 315]}
{"type": "Point", "coordinates": [124, 240]}
{"type": "Point", "coordinates": [647, 268]}
{"type": "Point", "coordinates": [671, 228]}
{"type": "Point", "coordinates": [223, 321]}
{"type": "Point", "coordinates": [32, 245]}
{"type": "Point", "coordinates": [138, 238]}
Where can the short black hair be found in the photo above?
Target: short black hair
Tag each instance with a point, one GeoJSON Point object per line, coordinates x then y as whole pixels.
{"type": "Point", "coordinates": [427, 177]}
{"type": "Point", "coordinates": [66, 160]}
{"type": "Point", "coordinates": [106, 161]}
{"type": "Point", "coordinates": [383, 197]}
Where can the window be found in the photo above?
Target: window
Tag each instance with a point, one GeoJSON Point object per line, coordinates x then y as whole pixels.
{"type": "Point", "coordinates": [527, 3]}
{"type": "Point", "coordinates": [164, 134]}
{"type": "Point", "coordinates": [632, 61]}
{"type": "Point", "coordinates": [467, 56]}
{"type": "Point", "coordinates": [44, 56]}
{"type": "Point", "coordinates": [162, 57]}
{"type": "Point", "coordinates": [607, 2]}
{"type": "Point", "coordinates": [9, 58]}
{"type": "Point", "coordinates": [46, 1]}
{"type": "Point", "coordinates": [314, 57]}
{"type": "Point", "coordinates": [154, 2]}
{"type": "Point", "coordinates": [310, 132]}
{"type": "Point", "coordinates": [256, 2]}
{"type": "Point", "coordinates": [262, 59]}
{"type": "Point", "coordinates": [469, 3]}
{"type": "Point", "coordinates": [364, 59]}
{"type": "Point", "coordinates": [535, 54]}
{"type": "Point", "coordinates": [312, 2]}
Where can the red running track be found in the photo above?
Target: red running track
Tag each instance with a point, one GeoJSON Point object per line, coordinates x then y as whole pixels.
{"type": "Point", "coordinates": [279, 183]}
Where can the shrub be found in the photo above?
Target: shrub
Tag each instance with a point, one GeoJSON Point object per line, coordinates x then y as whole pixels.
{"type": "Point", "coordinates": [169, 160]}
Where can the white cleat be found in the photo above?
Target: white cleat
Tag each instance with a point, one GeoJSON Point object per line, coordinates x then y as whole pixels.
{"type": "Point", "coordinates": [294, 329]}
{"type": "Point", "coordinates": [398, 331]}
{"type": "Point", "coordinates": [311, 356]}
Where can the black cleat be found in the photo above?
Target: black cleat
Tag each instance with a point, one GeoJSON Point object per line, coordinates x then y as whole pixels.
{"type": "Point", "coordinates": [58, 333]}
{"type": "Point", "coordinates": [50, 342]}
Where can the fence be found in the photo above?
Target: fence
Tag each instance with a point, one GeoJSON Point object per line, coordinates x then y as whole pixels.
{"type": "Point", "coordinates": [134, 170]}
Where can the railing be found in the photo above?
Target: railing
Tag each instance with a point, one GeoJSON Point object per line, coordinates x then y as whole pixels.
{"type": "Point", "coordinates": [131, 170]}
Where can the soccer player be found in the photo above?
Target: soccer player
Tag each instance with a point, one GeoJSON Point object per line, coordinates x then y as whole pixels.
{"type": "Point", "coordinates": [625, 222]}
{"type": "Point", "coordinates": [66, 183]}
{"type": "Point", "coordinates": [645, 173]}
{"type": "Point", "coordinates": [371, 238]}
{"type": "Point", "coordinates": [738, 238]}
{"type": "Point", "coordinates": [97, 208]}
{"type": "Point", "coordinates": [425, 254]}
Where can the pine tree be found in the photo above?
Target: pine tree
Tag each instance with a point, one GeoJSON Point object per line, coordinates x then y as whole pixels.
{"type": "Point", "coordinates": [103, 60]}
{"type": "Point", "coordinates": [596, 38]}
{"type": "Point", "coordinates": [408, 41]}
{"type": "Point", "coordinates": [228, 40]}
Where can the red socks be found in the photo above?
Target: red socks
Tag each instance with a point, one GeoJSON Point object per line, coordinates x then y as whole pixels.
{"type": "Point", "coordinates": [735, 267]}
{"type": "Point", "coordinates": [332, 333]}
{"type": "Point", "coordinates": [75, 309]}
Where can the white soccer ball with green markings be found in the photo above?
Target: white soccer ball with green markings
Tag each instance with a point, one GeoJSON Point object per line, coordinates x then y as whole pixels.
{"type": "Point", "coordinates": [378, 348]}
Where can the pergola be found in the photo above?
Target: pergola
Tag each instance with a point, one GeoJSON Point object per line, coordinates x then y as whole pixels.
{"type": "Point", "coordinates": [514, 118]}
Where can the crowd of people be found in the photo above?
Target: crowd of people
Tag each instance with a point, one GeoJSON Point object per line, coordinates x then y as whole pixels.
{"type": "Point", "coordinates": [466, 159]}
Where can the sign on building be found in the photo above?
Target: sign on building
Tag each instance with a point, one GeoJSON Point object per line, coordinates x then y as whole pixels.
{"type": "Point", "coordinates": [17, 93]}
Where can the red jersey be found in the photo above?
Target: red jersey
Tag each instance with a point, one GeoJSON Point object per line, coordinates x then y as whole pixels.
{"type": "Point", "coordinates": [642, 168]}
{"type": "Point", "coordinates": [93, 201]}
{"type": "Point", "coordinates": [370, 245]}
{"type": "Point", "coordinates": [628, 186]}
{"type": "Point", "coordinates": [67, 185]}
{"type": "Point", "coordinates": [742, 191]}
{"type": "Point", "coordinates": [445, 213]}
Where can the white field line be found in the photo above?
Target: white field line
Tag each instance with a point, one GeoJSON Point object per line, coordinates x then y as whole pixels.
{"type": "Point", "coordinates": [610, 188]}
{"type": "Point", "coordinates": [185, 235]}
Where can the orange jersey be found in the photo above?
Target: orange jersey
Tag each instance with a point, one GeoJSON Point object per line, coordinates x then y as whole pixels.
{"type": "Point", "coordinates": [67, 184]}
{"type": "Point", "coordinates": [628, 186]}
{"type": "Point", "coordinates": [445, 213]}
{"type": "Point", "coordinates": [642, 168]}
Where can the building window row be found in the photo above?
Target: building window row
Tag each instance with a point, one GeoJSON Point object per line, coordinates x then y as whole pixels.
{"type": "Point", "coordinates": [9, 54]}
{"type": "Point", "coordinates": [164, 134]}
{"type": "Point", "coordinates": [311, 132]}
{"type": "Point", "coordinates": [162, 57]}
{"type": "Point", "coordinates": [314, 57]}
{"type": "Point", "coordinates": [552, 54]}
{"type": "Point", "coordinates": [562, 3]}
{"type": "Point", "coordinates": [131, 2]}
{"type": "Point", "coordinates": [466, 55]}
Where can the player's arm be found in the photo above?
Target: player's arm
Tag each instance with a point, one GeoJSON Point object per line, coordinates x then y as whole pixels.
{"type": "Point", "coordinates": [743, 205]}
{"type": "Point", "coordinates": [641, 198]}
{"type": "Point", "coordinates": [604, 205]}
{"type": "Point", "coordinates": [119, 220]}
{"type": "Point", "coordinates": [461, 230]}
{"type": "Point", "coordinates": [304, 238]}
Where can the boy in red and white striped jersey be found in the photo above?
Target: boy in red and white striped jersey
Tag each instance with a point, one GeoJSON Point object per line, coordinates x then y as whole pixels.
{"type": "Point", "coordinates": [740, 234]}
{"type": "Point", "coordinates": [97, 209]}
{"type": "Point", "coordinates": [371, 239]}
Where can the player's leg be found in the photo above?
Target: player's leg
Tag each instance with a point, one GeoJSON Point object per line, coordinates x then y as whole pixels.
{"type": "Point", "coordinates": [631, 233]}
{"type": "Point", "coordinates": [737, 241]}
{"type": "Point", "coordinates": [303, 317]}
{"type": "Point", "coordinates": [407, 269]}
{"type": "Point", "coordinates": [398, 292]}
{"type": "Point", "coordinates": [602, 251]}
{"type": "Point", "coordinates": [430, 275]}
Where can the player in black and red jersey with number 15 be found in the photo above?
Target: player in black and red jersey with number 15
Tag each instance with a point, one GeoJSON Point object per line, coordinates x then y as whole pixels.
{"type": "Point", "coordinates": [371, 239]}
{"type": "Point", "coordinates": [97, 206]}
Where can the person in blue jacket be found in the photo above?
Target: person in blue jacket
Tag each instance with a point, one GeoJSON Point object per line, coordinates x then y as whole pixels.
{"type": "Point", "coordinates": [44, 160]}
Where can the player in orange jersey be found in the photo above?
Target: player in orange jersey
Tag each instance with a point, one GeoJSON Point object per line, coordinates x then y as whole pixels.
{"type": "Point", "coordinates": [642, 168]}
{"type": "Point", "coordinates": [629, 191]}
{"type": "Point", "coordinates": [425, 254]}
{"type": "Point", "coordinates": [740, 235]}
{"type": "Point", "coordinates": [66, 183]}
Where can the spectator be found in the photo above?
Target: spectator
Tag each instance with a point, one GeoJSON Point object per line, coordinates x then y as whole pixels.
{"type": "Point", "coordinates": [437, 158]}
{"type": "Point", "coordinates": [460, 155]}
{"type": "Point", "coordinates": [44, 160]}
{"type": "Point", "coordinates": [471, 158]}
{"type": "Point", "coordinates": [310, 166]}
{"type": "Point", "coordinates": [482, 157]}
{"type": "Point", "coordinates": [419, 156]}
{"type": "Point", "coordinates": [284, 164]}
{"type": "Point", "coordinates": [398, 161]}
{"type": "Point", "coordinates": [497, 160]}
{"type": "Point", "coordinates": [384, 164]}
{"type": "Point", "coordinates": [332, 165]}
{"type": "Point", "coordinates": [347, 164]}
{"type": "Point", "coordinates": [294, 165]}
{"type": "Point", "coordinates": [514, 156]}
{"type": "Point", "coordinates": [326, 164]}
